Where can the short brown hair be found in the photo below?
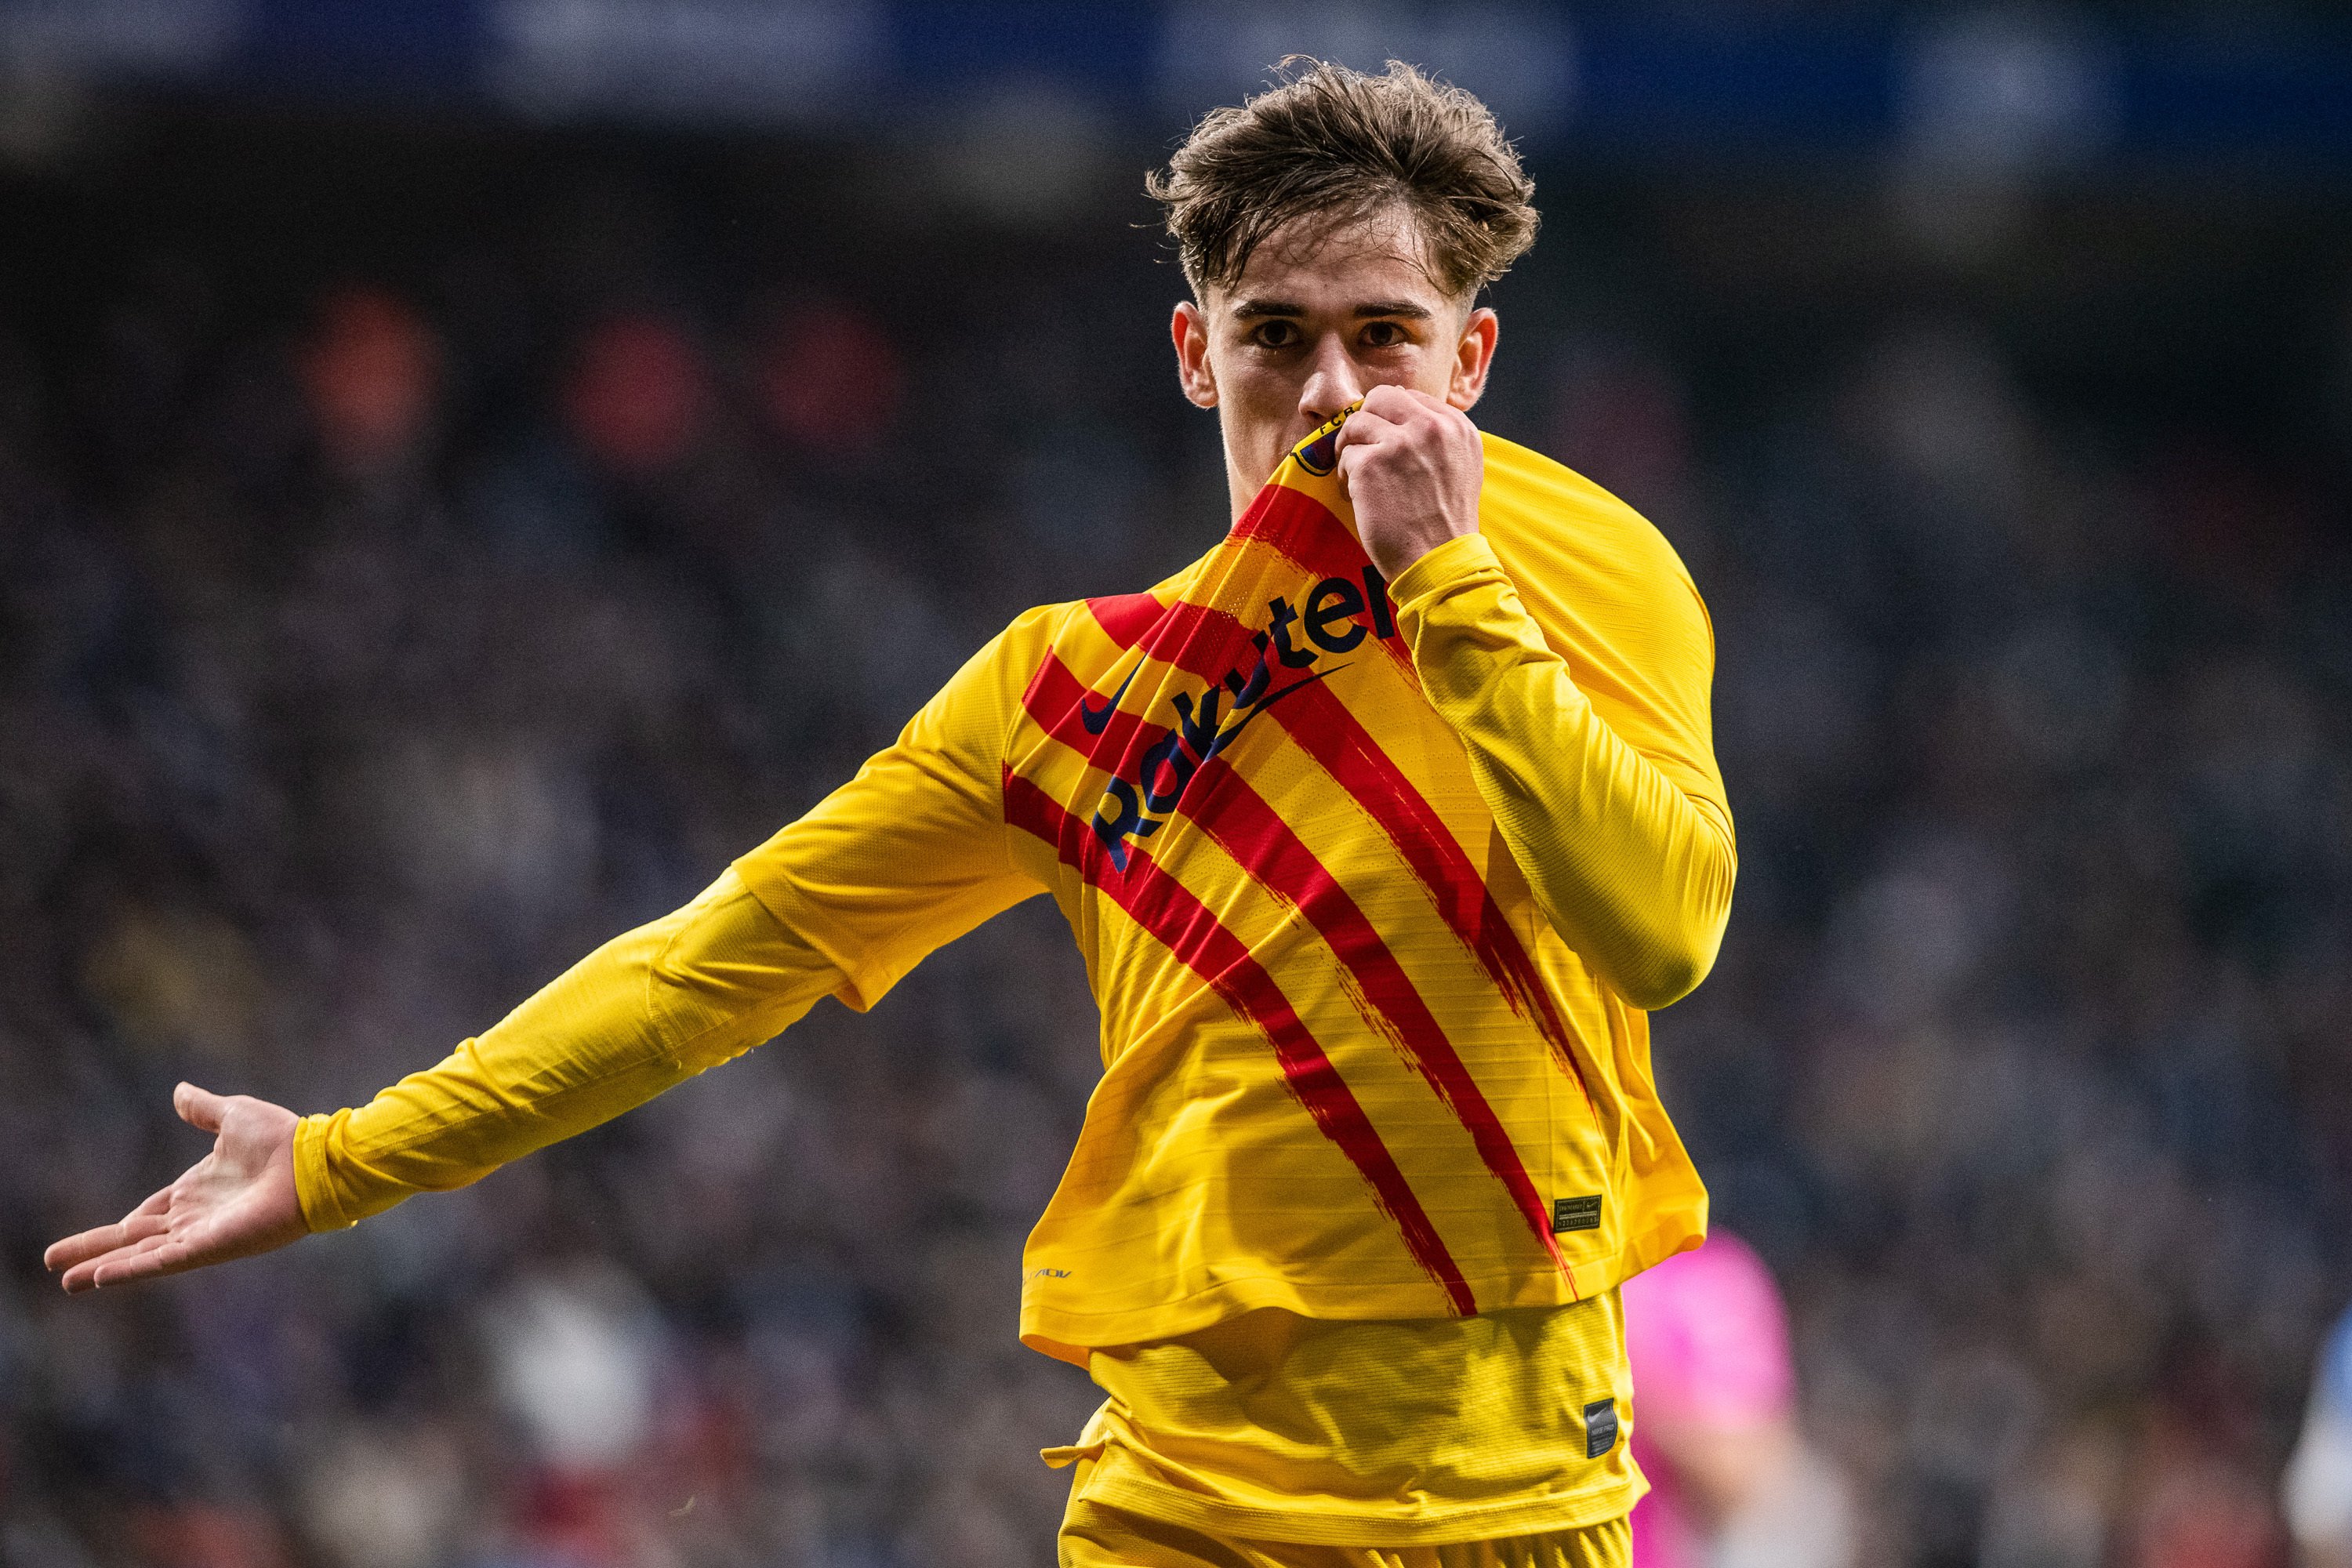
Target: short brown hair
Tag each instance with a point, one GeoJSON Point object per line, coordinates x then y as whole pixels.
{"type": "Point", "coordinates": [1330, 142]}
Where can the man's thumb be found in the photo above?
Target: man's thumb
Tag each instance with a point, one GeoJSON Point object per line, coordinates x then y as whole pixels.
{"type": "Point", "coordinates": [199, 1108]}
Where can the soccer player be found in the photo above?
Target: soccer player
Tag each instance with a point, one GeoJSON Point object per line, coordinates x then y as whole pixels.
{"type": "Point", "coordinates": [1379, 827]}
{"type": "Point", "coordinates": [1733, 1484]}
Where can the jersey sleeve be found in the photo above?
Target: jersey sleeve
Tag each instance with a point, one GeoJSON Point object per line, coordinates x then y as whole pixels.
{"type": "Point", "coordinates": [1608, 799]}
{"type": "Point", "coordinates": [915, 851]}
{"type": "Point", "coordinates": [909, 855]}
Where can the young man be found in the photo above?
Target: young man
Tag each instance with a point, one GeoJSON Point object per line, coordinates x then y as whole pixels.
{"type": "Point", "coordinates": [1379, 826]}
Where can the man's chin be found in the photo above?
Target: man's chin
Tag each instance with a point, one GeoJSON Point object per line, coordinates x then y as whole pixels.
{"type": "Point", "coordinates": [1261, 469]}
{"type": "Point", "coordinates": [1290, 440]}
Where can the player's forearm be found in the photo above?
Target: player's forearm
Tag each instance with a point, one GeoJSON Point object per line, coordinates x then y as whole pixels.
{"type": "Point", "coordinates": [1635, 875]}
{"type": "Point", "coordinates": [640, 1015]}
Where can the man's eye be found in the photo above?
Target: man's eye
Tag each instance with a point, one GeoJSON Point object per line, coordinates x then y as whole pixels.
{"type": "Point", "coordinates": [1383, 335]}
{"type": "Point", "coordinates": [1276, 335]}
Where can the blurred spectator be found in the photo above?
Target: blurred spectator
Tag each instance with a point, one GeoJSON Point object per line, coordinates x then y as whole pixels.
{"type": "Point", "coordinates": [2320, 1476]}
{"type": "Point", "coordinates": [1733, 1482]}
{"type": "Point", "coordinates": [828, 378]}
{"type": "Point", "coordinates": [375, 1498]}
{"type": "Point", "coordinates": [372, 372]}
{"type": "Point", "coordinates": [638, 394]}
{"type": "Point", "coordinates": [1623, 422]}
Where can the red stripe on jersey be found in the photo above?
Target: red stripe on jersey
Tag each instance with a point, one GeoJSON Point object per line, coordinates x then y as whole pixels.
{"type": "Point", "coordinates": [1230, 809]}
{"type": "Point", "coordinates": [1241, 820]}
{"type": "Point", "coordinates": [1295, 525]}
{"type": "Point", "coordinates": [1057, 700]}
{"type": "Point", "coordinates": [1334, 737]}
{"type": "Point", "coordinates": [1207, 643]}
{"type": "Point", "coordinates": [1126, 616]}
{"type": "Point", "coordinates": [1180, 921]}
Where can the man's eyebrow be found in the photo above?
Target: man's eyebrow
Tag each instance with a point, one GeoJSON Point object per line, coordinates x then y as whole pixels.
{"type": "Point", "coordinates": [1253, 310]}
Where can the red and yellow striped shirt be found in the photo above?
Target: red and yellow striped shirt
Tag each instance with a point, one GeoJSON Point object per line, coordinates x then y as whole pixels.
{"type": "Point", "coordinates": [1353, 1068]}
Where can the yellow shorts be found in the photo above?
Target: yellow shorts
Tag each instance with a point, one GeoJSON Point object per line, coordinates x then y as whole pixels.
{"type": "Point", "coordinates": [1093, 1536]}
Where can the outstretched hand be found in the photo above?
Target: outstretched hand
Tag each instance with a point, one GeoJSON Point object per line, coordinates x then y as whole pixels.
{"type": "Point", "coordinates": [235, 1202]}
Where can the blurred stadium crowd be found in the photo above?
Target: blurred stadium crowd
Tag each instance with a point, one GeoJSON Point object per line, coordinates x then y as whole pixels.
{"type": "Point", "coordinates": [392, 607]}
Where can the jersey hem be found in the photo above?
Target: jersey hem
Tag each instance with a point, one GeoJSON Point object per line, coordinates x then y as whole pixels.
{"type": "Point", "coordinates": [1068, 1334]}
{"type": "Point", "coordinates": [1442, 1525]}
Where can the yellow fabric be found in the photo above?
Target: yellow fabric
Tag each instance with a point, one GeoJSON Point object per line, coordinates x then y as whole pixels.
{"type": "Point", "coordinates": [1372, 889]}
{"type": "Point", "coordinates": [1270, 1426]}
{"type": "Point", "coordinates": [1590, 824]}
{"type": "Point", "coordinates": [1095, 1535]}
{"type": "Point", "coordinates": [1203, 1184]}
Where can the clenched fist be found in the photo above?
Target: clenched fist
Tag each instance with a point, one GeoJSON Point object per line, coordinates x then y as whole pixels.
{"type": "Point", "coordinates": [1413, 467]}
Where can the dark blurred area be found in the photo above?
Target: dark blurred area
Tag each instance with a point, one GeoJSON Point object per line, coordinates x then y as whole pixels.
{"type": "Point", "coordinates": [433, 539]}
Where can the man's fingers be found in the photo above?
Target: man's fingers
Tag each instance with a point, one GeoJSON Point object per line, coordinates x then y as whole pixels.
{"type": "Point", "coordinates": [1396, 403]}
{"type": "Point", "coordinates": [84, 1276]}
{"type": "Point", "coordinates": [141, 1227]}
{"type": "Point", "coordinates": [80, 1249]}
{"type": "Point", "coordinates": [1363, 428]}
{"type": "Point", "coordinates": [1397, 407]}
{"type": "Point", "coordinates": [108, 1268]}
{"type": "Point", "coordinates": [199, 1108]}
{"type": "Point", "coordinates": [138, 1226]}
{"type": "Point", "coordinates": [159, 1255]}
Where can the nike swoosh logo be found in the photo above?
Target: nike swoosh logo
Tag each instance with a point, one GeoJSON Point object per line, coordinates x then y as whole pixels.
{"type": "Point", "coordinates": [1098, 720]}
{"type": "Point", "coordinates": [1225, 738]}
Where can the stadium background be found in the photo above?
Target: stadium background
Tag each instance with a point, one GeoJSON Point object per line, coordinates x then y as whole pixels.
{"type": "Point", "coordinates": [466, 470]}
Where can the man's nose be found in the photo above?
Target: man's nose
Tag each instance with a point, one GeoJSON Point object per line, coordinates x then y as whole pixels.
{"type": "Point", "coordinates": [1332, 382]}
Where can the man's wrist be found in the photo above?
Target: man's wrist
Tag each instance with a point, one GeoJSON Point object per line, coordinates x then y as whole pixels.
{"type": "Point", "coordinates": [1397, 555]}
{"type": "Point", "coordinates": [1437, 568]}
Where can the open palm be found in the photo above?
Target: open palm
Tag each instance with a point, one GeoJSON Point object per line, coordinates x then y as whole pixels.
{"type": "Point", "coordinates": [235, 1202]}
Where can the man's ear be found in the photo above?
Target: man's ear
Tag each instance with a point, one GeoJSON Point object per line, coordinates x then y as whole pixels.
{"type": "Point", "coordinates": [1189, 327]}
{"type": "Point", "coordinates": [1473, 356]}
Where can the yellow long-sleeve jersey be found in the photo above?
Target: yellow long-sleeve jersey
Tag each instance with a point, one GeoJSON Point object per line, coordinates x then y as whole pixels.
{"type": "Point", "coordinates": [1373, 882]}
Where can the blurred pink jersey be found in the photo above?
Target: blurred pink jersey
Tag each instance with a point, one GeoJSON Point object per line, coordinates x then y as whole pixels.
{"type": "Point", "coordinates": [1708, 1340]}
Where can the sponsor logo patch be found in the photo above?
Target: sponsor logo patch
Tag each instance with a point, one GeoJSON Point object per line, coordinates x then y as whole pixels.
{"type": "Point", "coordinates": [1140, 797]}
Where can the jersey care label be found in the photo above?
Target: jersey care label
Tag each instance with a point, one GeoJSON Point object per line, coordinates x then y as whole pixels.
{"type": "Point", "coordinates": [1599, 1427]}
{"type": "Point", "coordinates": [1576, 1213]}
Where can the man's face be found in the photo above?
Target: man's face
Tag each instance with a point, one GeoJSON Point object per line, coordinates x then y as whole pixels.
{"type": "Point", "coordinates": [1320, 315]}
